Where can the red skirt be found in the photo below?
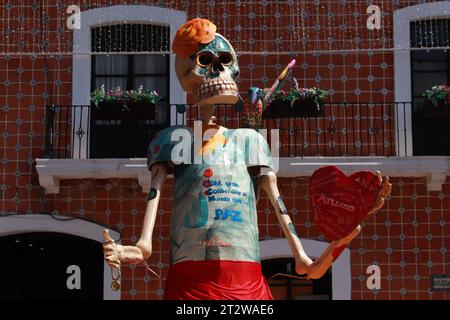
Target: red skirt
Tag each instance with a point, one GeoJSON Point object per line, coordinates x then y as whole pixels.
{"type": "Point", "coordinates": [216, 280]}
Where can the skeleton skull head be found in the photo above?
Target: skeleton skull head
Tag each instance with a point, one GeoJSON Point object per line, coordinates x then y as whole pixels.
{"type": "Point", "coordinates": [209, 75]}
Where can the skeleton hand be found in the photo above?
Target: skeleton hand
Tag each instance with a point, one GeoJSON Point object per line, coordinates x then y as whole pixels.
{"type": "Point", "coordinates": [115, 254]}
{"type": "Point", "coordinates": [111, 250]}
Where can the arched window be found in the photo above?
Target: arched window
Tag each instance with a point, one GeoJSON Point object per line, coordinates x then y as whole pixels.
{"type": "Point", "coordinates": [418, 32]}
{"type": "Point", "coordinates": [429, 67]}
{"type": "Point", "coordinates": [129, 57]}
{"type": "Point", "coordinates": [147, 31]}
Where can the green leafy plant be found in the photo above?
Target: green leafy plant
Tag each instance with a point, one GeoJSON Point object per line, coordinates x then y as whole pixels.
{"type": "Point", "coordinates": [437, 94]}
{"type": "Point", "coordinates": [298, 93]}
{"type": "Point", "coordinates": [125, 97]}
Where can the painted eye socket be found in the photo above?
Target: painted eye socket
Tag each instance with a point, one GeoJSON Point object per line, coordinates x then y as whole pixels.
{"type": "Point", "coordinates": [225, 58]}
{"type": "Point", "coordinates": [205, 58]}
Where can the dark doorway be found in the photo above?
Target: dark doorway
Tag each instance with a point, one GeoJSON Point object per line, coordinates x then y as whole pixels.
{"type": "Point", "coordinates": [34, 266]}
{"type": "Point", "coordinates": [286, 287]}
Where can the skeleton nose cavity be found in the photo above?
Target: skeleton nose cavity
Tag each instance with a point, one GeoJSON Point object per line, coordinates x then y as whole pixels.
{"type": "Point", "coordinates": [217, 66]}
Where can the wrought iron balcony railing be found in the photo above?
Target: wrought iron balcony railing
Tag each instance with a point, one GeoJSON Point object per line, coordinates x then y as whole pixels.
{"type": "Point", "coordinates": [345, 129]}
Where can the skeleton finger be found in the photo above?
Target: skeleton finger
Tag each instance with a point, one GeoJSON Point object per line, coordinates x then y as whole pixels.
{"type": "Point", "coordinates": [109, 254]}
{"type": "Point", "coordinates": [107, 238]}
{"type": "Point", "coordinates": [108, 247]}
{"type": "Point", "coordinates": [112, 259]}
{"type": "Point", "coordinates": [386, 188]}
{"type": "Point", "coordinates": [379, 176]}
{"type": "Point", "coordinates": [113, 264]}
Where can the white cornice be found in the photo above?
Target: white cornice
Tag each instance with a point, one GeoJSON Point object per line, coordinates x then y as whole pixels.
{"type": "Point", "coordinates": [435, 169]}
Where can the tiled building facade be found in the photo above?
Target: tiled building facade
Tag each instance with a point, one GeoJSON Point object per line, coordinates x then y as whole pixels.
{"type": "Point", "coordinates": [335, 50]}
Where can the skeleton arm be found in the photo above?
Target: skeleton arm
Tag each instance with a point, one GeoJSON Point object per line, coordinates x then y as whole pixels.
{"type": "Point", "coordinates": [116, 254]}
{"type": "Point", "coordinates": [159, 175]}
{"type": "Point", "coordinates": [304, 264]}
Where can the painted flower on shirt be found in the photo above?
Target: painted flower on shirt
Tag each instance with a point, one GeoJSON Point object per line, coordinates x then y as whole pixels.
{"type": "Point", "coordinates": [208, 173]}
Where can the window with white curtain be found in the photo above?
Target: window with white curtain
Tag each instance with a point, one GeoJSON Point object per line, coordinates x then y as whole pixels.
{"type": "Point", "coordinates": [129, 56]}
{"type": "Point", "coordinates": [430, 58]}
{"type": "Point", "coordinates": [430, 66]}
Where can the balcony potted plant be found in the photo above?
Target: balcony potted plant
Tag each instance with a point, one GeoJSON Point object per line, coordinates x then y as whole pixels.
{"type": "Point", "coordinates": [117, 104]}
{"type": "Point", "coordinates": [299, 102]}
{"type": "Point", "coordinates": [122, 122]}
{"type": "Point", "coordinates": [437, 102]}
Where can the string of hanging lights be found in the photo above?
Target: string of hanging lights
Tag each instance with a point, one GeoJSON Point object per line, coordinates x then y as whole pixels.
{"type": "Point", "coordinates": [260, 27]}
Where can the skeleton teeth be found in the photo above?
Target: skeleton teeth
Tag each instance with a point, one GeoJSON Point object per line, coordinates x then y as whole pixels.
{"type": "Point", "coordinates": [216, 87]}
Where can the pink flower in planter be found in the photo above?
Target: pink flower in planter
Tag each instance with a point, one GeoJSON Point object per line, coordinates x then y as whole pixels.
{"type": "Point", "coordinates": [438, 94]}
{"type": "Point", "coordinates": [124, 96]}
{"type": "Point", "coordinates": [304, 92]}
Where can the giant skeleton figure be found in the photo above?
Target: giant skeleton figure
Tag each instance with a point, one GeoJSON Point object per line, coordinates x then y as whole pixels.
{"type": "Point", "coordinates": [214, 231]}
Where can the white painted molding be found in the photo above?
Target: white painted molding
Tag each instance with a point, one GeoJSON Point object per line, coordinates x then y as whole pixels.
{"type": "Point", "coordinates": [81, 75]}
{"type": "Point", "coordinates": [435, 169]}
{"type": "Point", "coordinates": [341, 269]}
{"type": "Point", "coordinates": [402, 63]}
{"type": "Point", "coordinates": [26, 223]}
{"type": "Point", "coordinates": [51, 171]}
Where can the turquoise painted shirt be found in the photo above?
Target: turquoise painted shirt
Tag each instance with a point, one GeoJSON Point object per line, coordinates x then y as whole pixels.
{"type": "Point", "coordinates": [214, 208]}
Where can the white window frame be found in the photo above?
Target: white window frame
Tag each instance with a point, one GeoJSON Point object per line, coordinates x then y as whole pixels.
{"type": "Point", "coordinates": [341, 271]}
{"type": "Point", "coordinates": [81, 66]}
{"type": "Point", "coordinates": [26, 223]}
{"type": "Point", "coordinates": [402, 64]}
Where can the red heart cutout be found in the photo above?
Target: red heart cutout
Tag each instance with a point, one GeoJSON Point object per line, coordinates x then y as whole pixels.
{"type": "Point", "coordinates": [341, 203]}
